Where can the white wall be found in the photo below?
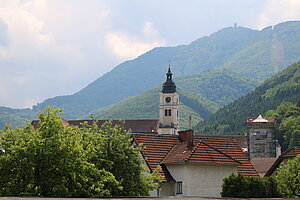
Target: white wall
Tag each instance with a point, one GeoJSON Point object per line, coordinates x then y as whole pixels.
{"type": "Point", "coordinates": [200, 179]}
{"type": "Point", "coordinates": [167, 189]}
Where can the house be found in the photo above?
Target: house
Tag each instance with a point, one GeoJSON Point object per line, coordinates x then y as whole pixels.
{"type": "Point", "coordinates": [287, 155]}
{"type": "Point", "coordinates": [193, 165]}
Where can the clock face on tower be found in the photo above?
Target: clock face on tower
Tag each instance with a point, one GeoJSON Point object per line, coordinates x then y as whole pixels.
{"type": "Point", "coordinates": [168, 99]}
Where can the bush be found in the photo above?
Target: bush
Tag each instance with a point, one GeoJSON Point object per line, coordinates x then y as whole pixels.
{"type": "Point", "coordinates": [249, 187]}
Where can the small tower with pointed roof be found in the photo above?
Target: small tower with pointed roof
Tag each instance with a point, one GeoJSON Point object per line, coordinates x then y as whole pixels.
{"type": "Point", "coordinates": [169, 107]}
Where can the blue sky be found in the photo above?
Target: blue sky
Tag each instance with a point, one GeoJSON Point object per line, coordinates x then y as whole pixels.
{"type": "Point", "coordinates": [55, 47]}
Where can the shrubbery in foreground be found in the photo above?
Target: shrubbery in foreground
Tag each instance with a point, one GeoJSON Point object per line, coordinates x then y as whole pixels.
{"type": "Point", "coordinates": [249, 187]}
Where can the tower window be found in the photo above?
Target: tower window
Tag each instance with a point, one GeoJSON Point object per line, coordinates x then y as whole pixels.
{"type": "Point", "coordinates": [167, 112]}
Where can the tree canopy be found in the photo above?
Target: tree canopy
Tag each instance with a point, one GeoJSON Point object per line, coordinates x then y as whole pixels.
{"type": "Point", "coordinates": [68, 161]}
{"type": "Point", "coordinates": [288, 178]}
{"type": "Point", "coordinates": [287, 122]}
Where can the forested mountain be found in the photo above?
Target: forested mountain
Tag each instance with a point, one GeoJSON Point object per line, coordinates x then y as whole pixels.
{"type": "Point", "coordinates": [248, 53]}
{"type": "Point", "coordinates": [146, 106]}
{"type": "Point", "coordinates": [219, 86]}
{"type": "Point", "coordinates": [284, 86]}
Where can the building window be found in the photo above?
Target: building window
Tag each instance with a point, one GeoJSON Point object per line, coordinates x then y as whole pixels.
{"type": "Point", "coordinates": [167, 112]}
{"type": "Point", "coordinates": [179, 187]}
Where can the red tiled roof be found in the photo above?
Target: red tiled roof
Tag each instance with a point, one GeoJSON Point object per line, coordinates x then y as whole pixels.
{"type": "Point", "coordinates": [232, 149]}
{"type": "Point", "coordinates": [240, 139]}
{"type": "Point", "coordinates": [161, 149]}
{"type": "Point", "coordinates": [290, 153]}
{"type": "Point", "coordinates": [201, 153]}
{"type": "Point", "coordinates": [155, 148]}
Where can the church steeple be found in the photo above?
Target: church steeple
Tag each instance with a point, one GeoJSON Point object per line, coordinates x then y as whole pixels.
{"type": "Point", "coordinates": [168, 107]}
{"type": "Point", "coordinates": [169, 86]}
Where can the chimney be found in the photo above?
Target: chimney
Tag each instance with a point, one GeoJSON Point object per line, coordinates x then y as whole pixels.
{"type": "Point", "coordinates": [187, 136]}
{"type": "Point", "coordinates": [190, 122]}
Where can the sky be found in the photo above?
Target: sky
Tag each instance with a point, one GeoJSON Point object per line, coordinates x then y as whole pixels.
{"type": "Point", "coordinates": [57, 47]}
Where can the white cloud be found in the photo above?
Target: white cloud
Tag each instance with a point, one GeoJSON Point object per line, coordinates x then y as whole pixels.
{"type": "Point", "coordinates": [125, 46]}
{"type": "Point", "coordinates": [277, 11]}
{"type": "Point", "coordinates": [149, 31]}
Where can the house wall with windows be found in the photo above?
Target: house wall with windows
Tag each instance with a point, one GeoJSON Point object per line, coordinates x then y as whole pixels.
{"type": "Point", "coordinates": [199, 179]}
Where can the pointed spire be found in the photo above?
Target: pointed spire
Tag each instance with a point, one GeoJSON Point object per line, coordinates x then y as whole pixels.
{"type": "Point", "coordinates": [169, 86]}
{"type": "Point", "coordinates": [169, 70]}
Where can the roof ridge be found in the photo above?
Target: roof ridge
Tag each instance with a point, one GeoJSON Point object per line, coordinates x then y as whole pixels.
{"type": "Point", "coordinates": [160, 162]}
{"type": "Point", "coordinates": [214, 137]}
{"type": "Point", "coordinates": [221, 152]}
{"type": "Point", "coordinates": [193, 151]}
{"type": "Point", "coordinates": [292, 150]}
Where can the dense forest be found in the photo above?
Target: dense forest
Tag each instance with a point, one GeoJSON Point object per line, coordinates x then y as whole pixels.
{"type": "Point", "coordinates": [218, 85]}
{"type": "Point", "coordinates": [284, 86]}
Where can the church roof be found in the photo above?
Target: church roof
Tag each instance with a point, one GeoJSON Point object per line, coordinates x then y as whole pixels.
{"type": "Point", "coordinates": [260, 119]}
{"type": "Point", "coordinates": [169, 86]}
{"type": "Point", "coordinates": [167, 149]}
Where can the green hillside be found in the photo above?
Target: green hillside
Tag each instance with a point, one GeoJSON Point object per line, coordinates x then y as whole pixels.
{"type": "Point", "coordinates": [219, 86]}
{"type": "Point", "coordinates": [284, 86]}
{"type": "Point", "coordinates": [15, 117]}
{"type": "Point", "coordinates": [146, 106]}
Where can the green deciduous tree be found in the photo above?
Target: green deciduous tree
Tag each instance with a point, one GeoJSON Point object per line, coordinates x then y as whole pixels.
{"type": "Point", "coordinates": [287, 122]}
{"type": "Point", "coordinates": [67, 161]}
{"type": "Point", "coordinates": [288, 178]}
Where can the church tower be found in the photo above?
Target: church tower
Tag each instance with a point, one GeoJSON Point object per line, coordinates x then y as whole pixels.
{"type": "Point", "coordinates": [168, 107]}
